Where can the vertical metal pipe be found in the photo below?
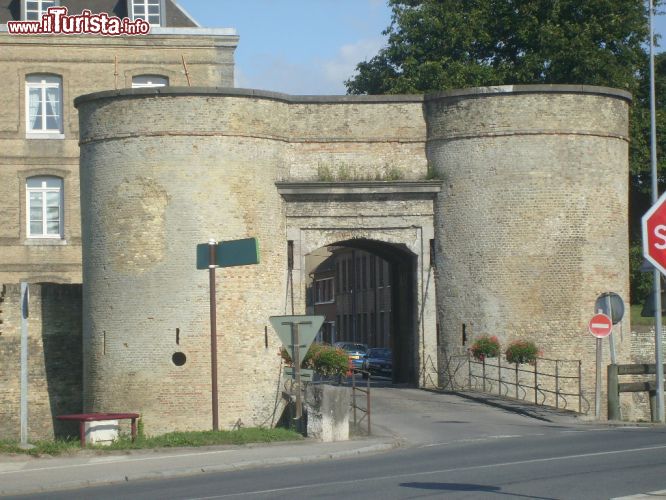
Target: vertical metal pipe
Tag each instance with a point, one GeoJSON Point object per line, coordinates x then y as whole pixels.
{"type": "Point", "coordinates": [597, 390]}
{"type": "Point", "coordinates": [212, 245]}
{"type": "Point", "coordinates": [655, 196]}
{"type": "Point", "coordinates": [354, 292]}
{"type": "Point", "coordinates": [611, 337]}
{"type": "Point", "coordinates": [297, 370]}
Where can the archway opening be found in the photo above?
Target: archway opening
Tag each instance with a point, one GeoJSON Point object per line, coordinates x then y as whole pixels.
{"type": "Point", "coordinates": [366, 290]}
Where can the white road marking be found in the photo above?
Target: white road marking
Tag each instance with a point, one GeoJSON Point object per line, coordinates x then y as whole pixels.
{"type": "Point", "coordinates": [644, 496]}
{"type": "Point", "coordinates": [441, 471]}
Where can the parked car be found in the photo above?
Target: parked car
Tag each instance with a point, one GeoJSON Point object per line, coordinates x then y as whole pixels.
{"type": "Point", "coordinates": [379, 361]}
{"type": "Point", "coordinates": [355, 351]}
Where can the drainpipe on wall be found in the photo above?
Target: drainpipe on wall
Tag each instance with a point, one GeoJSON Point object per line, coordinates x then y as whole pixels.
{"type": "Point", "coordinates": [353, 290]}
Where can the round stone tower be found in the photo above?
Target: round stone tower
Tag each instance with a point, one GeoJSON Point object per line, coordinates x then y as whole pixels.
{"type": "Point", "coordinates": [532, 223]}
{"type": "Point", "coordinates": [159, 174]}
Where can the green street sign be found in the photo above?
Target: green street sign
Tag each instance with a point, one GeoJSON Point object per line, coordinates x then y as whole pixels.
{"type": "Point", "coordinates": [243, 252]}
{"type": "Point", "coordinates": [308, 326]}
{"type": "Point", "coordinates": [203, 255]}
{"type": "Point", "coordinates": [305, 373]}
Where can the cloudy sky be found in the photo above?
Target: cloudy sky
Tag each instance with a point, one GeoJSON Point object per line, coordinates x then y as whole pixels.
{"type": "Point", "coordinates": [302, 46]}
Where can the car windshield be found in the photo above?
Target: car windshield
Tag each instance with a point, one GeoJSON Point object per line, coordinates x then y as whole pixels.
{"type": "Point", "coordinates": [379, 353]}
{"type": "Point", "coordinates": [353, 347]}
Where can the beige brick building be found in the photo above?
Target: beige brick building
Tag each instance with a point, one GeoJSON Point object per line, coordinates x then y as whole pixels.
{"type": "Point", "coordinates": [39, 153]}
{"type": "Point", "coordinates": [40, 228]}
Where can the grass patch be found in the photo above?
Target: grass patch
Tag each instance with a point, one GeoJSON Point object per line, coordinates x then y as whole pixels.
{"type": "Point", "coordinates": [171, 440]}
{"type": "Point", "coordinates": [637, 319]}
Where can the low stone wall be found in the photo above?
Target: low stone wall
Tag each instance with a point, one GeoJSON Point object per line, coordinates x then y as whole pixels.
{"type": "Point", "coordinates": [327, 408]}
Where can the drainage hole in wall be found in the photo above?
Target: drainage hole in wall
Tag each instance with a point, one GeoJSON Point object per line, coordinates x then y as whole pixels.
{"type": "Point", "coordinates": [179, 358]}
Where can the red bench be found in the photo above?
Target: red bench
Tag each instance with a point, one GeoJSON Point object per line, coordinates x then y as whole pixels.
{"type": "Point", "coordinates": [82, 418]}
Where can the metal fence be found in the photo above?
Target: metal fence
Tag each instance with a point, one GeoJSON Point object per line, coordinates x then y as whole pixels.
{"type": "Point", "coordinates": [360, 402]}
{"type": "Point", "coordinates": [548, 382]}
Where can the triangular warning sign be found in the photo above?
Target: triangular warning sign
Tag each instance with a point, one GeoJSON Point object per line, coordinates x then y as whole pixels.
{"type": "Point", "coordinates": [308, 326]}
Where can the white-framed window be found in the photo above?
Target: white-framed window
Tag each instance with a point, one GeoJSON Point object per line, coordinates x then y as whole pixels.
{"type": "Point", "coordinates": [143, 81]}
{"type": "Point", "coordinates": [44, 198]}
{"type": "Point", "coordinates": [43, 104]}
{"type": "Point", "coordinates": [32, 10]}
{"type": "Point", "coordinates": [148, 10]}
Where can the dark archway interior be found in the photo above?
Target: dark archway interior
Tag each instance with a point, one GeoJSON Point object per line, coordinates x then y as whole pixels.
{"type": "Point", "coordinates": [403, 331]}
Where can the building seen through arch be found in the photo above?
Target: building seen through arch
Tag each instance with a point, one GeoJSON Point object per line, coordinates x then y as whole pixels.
{"type": "Point", "coordinates": [352, 289]}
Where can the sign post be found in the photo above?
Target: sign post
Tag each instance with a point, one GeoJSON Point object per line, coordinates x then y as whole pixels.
{"type": "Point", "coordinates": [210, 256]}
{"type": "Point", "coordinates": [296, 333]}
{"type": "Point", "coordinates": [213, 331]}
{"type": "Point", "coordinates": [600, 326]}
{"type": "Point", "coordinates": [654, 251]}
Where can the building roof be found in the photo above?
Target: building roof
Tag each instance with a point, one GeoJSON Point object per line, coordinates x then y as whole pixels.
{"type": "Point", "coordinates": [175, 16]}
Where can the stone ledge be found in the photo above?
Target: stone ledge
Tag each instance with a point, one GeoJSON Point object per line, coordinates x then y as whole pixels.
{"type": "Point", "coordinates": [358, 188]}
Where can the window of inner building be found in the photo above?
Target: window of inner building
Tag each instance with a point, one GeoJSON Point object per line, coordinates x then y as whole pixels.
{"type": "Point", "coordinates": [143, 81]}
{"type": "Point", "coordinates": [324, 291]}
{"type": "Point", "coordinates": [33, 9]}
{"type": "Point", "coordinates": [148, 10]}
{"type": "Point", "coordinates": [43, 104]}
{"type": "Point", "coordinates": [44, 196]}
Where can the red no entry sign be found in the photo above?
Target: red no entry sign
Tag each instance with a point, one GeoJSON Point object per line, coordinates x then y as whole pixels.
{"type": "Point", "coordinates": [600, 326]}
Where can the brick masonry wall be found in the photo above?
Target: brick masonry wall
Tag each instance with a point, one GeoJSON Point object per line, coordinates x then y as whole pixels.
{"type": "Point", "coordinates": [533, 224]}
{"type": "Point", "coordinates": [54, 360]}
{"type": "Point", "coordinates": [530, 226]}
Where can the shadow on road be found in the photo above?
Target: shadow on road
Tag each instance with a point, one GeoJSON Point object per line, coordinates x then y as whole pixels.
{"type": "Point", "coordinates": [466, 487]}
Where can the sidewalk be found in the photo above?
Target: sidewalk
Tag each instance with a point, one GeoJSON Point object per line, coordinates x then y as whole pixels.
{"type": "Point", "coordinates": [25, 474]}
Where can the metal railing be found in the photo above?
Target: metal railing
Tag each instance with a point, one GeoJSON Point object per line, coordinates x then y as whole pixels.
{"type": "Point", "coordinates": [356, 408]}
{"type": "Point", "coordinates": [548, 382]}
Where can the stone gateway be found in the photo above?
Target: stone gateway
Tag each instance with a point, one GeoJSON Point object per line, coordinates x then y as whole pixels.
{"type": "Point", "coordinates": [504, 210]}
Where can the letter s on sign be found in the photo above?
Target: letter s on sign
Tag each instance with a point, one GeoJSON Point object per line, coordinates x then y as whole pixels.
{"type": "Point", "coordinates": [660, 233]}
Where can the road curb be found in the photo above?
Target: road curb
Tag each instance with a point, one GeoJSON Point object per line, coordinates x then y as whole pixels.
{"type": "Point", "coordinates": [183, 472]}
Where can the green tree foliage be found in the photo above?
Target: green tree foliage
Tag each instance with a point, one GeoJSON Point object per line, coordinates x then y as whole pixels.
{"type": "Point", "coordinates": [443, 44]}
{"type": "Point", "coordinates": [436, 45]}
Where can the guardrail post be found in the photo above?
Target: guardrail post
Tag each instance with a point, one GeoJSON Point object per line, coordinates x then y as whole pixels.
{"type": "Point", "coordinates": [469, 369]}
{"type": "Point", "coordinates": [557, 384]}
{"type": "Point", "coordinates": [613, 391]}
{"type": "Point", "coordinates": [580, 386]}
{"type": "Point", "coordinates": [368, 405]}
{"type": "Point", "coordinates": [536, 384]}
{"type": "Point", "coordinates": [484, 374]}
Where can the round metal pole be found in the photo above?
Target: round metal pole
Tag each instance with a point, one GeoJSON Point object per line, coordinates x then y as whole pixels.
{"type": "Point", "coordinates": [655, 196]}
{"type": "Point", "coordinates": [212, 245]}
{"type": "Point", "coordinates": [597, 392]}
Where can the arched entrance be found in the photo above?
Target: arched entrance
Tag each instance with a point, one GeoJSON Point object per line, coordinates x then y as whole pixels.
{"type": "Point", "coordinates": [366, 290]}
{"type": "Point", "coordinates": [374, 218]}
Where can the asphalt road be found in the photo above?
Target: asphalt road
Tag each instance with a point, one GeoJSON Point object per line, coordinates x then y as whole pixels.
{"type": "Point", "coordinates": [454, 448]}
